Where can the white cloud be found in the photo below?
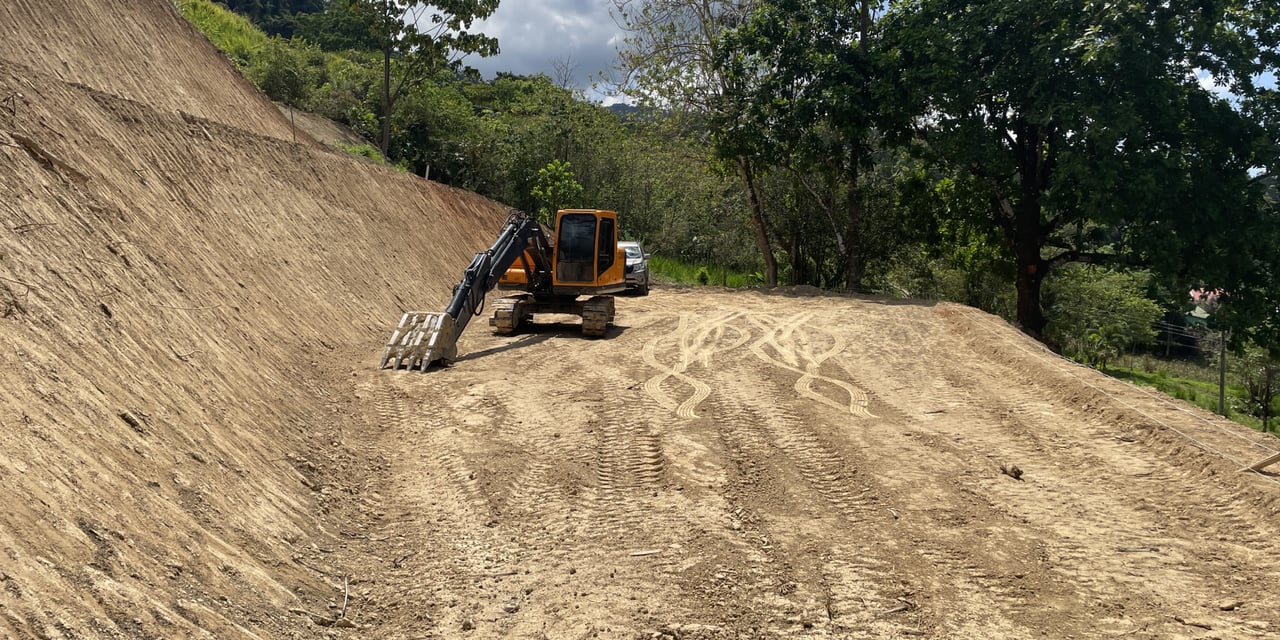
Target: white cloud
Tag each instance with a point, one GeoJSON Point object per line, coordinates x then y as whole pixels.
{"type": "Point", "coordinates": [1208, 82]}
{"type": "Point", "coordinates": [533, 35]}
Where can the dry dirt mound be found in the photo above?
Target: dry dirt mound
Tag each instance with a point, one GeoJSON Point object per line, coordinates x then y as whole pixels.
{"type": "Point", "coordinates": [194, 441]}
{"type": "Point", "coordinates": [138, 49]}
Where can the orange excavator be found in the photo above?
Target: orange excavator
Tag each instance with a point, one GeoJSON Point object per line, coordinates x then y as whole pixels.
{"type": "Point", "coordinates": [550, 277]}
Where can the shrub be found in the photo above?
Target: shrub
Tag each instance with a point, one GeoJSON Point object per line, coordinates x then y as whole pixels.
{"type": "Point", "coordinates": [1096, 314]}
{"type": "Point", "coordinates": [366, 151]}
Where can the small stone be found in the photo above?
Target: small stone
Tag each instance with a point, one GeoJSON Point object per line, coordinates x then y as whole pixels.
{"type": "Point", "coordinates": [468, 625]}
{"type": "Point", "coordinates": [511, 608]}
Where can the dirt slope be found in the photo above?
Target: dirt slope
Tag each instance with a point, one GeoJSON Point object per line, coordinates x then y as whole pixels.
{"type": "Point", "coordinates": [138, 49]}
{"type": "Point", "coordinates": [167, 285]}
{"type": "Point", "coordinates": [322, 129]}
{"type": "Point", "coordinates": [194, 441]}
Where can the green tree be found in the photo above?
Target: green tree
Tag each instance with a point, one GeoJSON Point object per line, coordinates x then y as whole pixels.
{"type": "Point", "coordinates": [1098, 314]}
{"type": "Point", "coordinates": [672, 59]}
{"type": "Point", "coordinates": [1259, 370]}
{"type": "Point", "coordinates": [281, 73]}
{"type": "Point", "coordinates": [555, 189]}
{"type": "Point", "coordinates": [1088, 132]}
{"type": "Point", "coordinates": [417, 40]}
{"type": "Point", "coordinates": [336, 28]}
{"type": "Point", "coordinates": [807, 68]}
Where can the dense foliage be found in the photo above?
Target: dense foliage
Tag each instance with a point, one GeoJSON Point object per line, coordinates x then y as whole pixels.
{"type": "Point", "coordinates": [973, 151]}
{"type": "Point", "coordinates": [499, 137]}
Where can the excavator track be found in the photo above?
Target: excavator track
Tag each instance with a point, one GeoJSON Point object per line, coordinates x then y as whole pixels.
{"type": "Point", "coordinates": [508, 312]}
{"type": "Point", "coordinates": [597, 315]}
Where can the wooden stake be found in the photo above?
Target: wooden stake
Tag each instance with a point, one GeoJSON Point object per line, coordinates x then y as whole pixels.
{"type": "Point", "coordinates": [1263, 464]}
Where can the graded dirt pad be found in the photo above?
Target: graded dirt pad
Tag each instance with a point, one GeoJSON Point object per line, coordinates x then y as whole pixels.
{"type": "Point", "coordinates": [730, 465]}
{"type": "Point", "coordinates": [195, 441]}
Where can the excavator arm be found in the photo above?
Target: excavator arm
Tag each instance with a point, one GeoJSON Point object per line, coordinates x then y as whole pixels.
{"type": "Point", "coordinates": [423, 338]}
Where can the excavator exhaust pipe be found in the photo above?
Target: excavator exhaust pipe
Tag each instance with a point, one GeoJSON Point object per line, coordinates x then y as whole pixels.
{"type": "Point", "coordinates": [420, 340]}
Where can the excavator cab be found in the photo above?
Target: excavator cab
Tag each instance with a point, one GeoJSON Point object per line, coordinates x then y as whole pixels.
{"type": "Point", "coordinates": [587, 260]}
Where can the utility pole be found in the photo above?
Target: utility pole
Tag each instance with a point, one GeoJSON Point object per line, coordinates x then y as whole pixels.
{"type": "Point", "coordinates": [1222, 372]}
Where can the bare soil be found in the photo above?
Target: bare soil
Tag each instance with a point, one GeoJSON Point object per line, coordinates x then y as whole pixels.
{"type": "Point", "coordinates": [195, 441]}
{"type": "Point", "coordinates": [745, 465]}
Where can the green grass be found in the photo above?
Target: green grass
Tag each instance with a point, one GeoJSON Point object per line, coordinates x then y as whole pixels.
{"type": "Point", "coordinates": [365, 151]}
{"type": "Point", "coordinates": [672, 270]}
{"type": "Point", "coordinates": [1200, 390]}
{"type": "Point", "coordinates": [230, 32]}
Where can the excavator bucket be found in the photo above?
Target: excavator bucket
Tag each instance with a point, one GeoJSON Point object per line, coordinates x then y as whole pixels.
{"type": "Point", "coordinates": [420, 340]}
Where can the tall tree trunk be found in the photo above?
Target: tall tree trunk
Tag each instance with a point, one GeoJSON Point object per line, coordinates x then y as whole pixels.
{"type": "Point", "coordinates": [855, 262]}
{"type": "Point", "coordinates": [792, 246]}
{"type": "Point", "coordinates": [1030, 316]}
{"type": "Point", "coordinates": [385, 143]}
{"type": "Point", "coordinates": [1027, 229]}
{"type": "Point", "coordinates": [757, 221]}
{"type": "Point", "coordinates": [1028, 239]}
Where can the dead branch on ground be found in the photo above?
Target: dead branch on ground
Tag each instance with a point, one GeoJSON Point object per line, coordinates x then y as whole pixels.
{"type": "Point", "coordinates": [32, 226]}
{"type": "Point", "coordinates": [1190, 623]}
{"type": "Point", "coordinates": [185, 357]}
{"type": "Point", "coordinates": [166, 306]}
{"type": "Point", "coordinates": [28, 286]}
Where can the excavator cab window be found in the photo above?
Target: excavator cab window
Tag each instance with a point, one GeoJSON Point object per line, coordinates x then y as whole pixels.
{"type": "Point", "coordinates": [576, 248]}
{"type": "Point", "coordinates": [605, 246]}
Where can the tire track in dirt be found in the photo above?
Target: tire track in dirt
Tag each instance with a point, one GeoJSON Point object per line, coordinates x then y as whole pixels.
{"type": "Point", "coordinates": [696, 344]}
{"type": "Point", "coordinates": [1112, 441]}
{"type": "Point", "coordinates": [629, 470]}
{"type": "Point", "coordinates": [1079, 539]}
{"type": "Point", "coordinates": [770, 515]}
{"type": "Point", "coordinates": [967, 580]}
{"type": "Point", "coordinates": [442, 531]}
{"type": "Point", "coordinates": [540, 430]}
{"type": "Point", "coordinates": [769, 596]}
{"type": "Point", "coordinates": [789, 357]}
{"type": "Point", "coordinates": [842, 588]}
{"type": "Point", "coordinates": [858, 399]}
{"type": "Point", "coordinates": [535, 496]}
{"type": "Point", "coordinates": [983, 563]}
